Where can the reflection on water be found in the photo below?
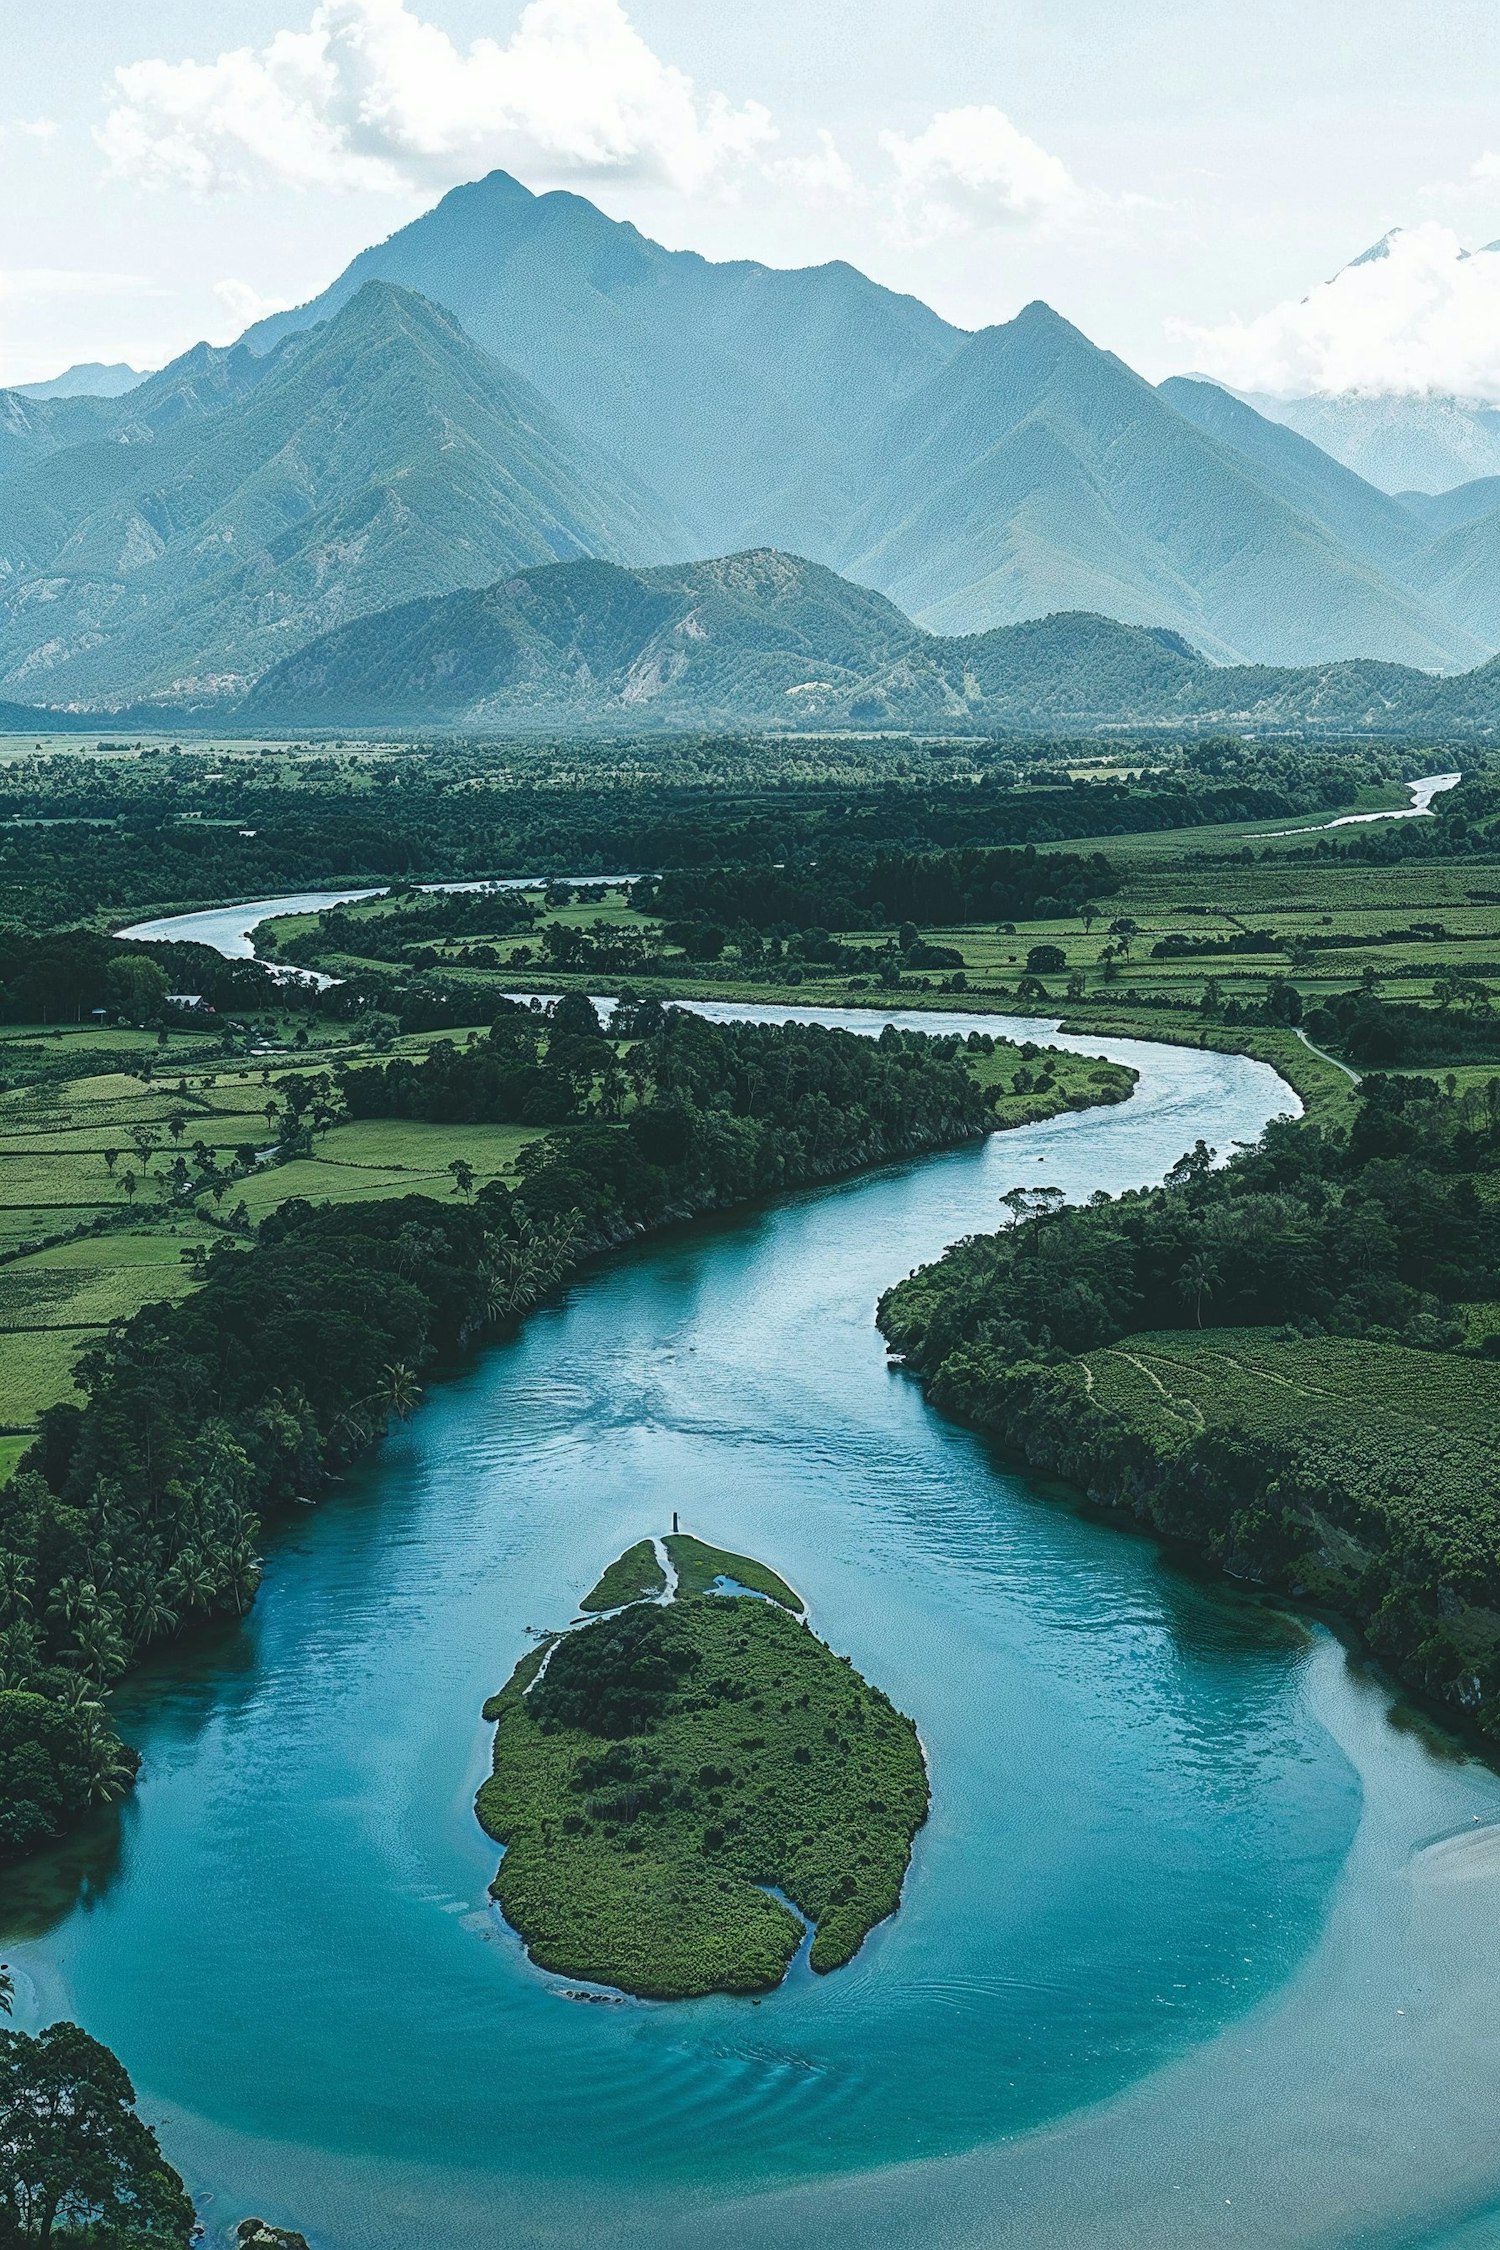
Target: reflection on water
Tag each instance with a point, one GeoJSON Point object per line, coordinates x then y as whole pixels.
{"type": "Point", "coordinates": [70, 1879]}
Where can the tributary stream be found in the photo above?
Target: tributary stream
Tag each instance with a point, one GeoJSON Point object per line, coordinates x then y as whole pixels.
{"type": "Point", "coordinates": [1200, 1944]}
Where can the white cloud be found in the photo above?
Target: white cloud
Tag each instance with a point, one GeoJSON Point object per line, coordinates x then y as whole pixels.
{"type": "Point", "coordinates": [244, 304]}
{"type": "Point", "coordinates": [970, 169]}
{"type": "Point", "coordinates": [370, 96]}
{"type": "Point", "coordinates": [29, 128]}
{"type": "Point", "coordinates": [1417, 314]}
{"type": "Point", "coordinates": [826, 175]}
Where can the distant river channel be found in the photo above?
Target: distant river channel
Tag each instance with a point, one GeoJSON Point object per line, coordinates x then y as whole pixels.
{"type": "Point", "coordinates": [1198, 1947]}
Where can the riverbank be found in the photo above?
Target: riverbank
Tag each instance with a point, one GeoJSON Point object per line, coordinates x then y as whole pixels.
{"type": "Point", "coordinates": [1286, 1364]}
{"type": "Point", "coordinates": [330, 1321]}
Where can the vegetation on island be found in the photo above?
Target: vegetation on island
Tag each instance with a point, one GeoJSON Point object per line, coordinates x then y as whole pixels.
{"type": "Point", "coordinates": [700, 1567]}
{"type": "Point", "coordinates": [667, 1777]}
{"type": "Point", "coordinates": [632, 1577]}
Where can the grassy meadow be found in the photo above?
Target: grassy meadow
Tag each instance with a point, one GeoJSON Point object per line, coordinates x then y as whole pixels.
{"type": "Point", "coordinates": [124, 1159]}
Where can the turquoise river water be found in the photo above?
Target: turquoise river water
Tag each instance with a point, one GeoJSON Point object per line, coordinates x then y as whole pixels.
{"type": "Point", "coordinates": [1199, 1945]}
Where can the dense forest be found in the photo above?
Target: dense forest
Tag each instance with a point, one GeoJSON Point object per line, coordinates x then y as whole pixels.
{"type": "Point", "coordinates": [1385, 1235]}
{"type": "Point", "coordinates": [82, 834]}
{"type": "Point", "coordinates": [138, 1513]}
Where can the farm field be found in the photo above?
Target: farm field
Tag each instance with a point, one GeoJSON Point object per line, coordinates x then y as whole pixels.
{"type": "Point", "coordinates": [1262, 1381]}
{"type": "Point", "coordinates": [1326, 924]}
{"type": "Point", "coordinates": [1376, 1444]}
{"type": "Point", "coordinates": [124, 1159]}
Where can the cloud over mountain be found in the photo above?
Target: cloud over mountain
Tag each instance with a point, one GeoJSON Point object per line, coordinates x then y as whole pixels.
{"type": "Point", "coordinates": [1417, 313]}
{"type": "Point", "coordinates": [371, 96]}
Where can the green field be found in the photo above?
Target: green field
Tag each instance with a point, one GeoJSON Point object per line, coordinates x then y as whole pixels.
{"type": "Point", "coordinates": [1326, 925]}
{"type": "Point", "coordinates": [1260, 1381]}
{"type": "Point", "coordinates": [79, 1249]}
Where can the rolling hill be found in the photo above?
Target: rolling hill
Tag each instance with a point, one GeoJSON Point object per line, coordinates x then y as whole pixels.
{"type": "Point", "coordinates": [765, 639]}
{"type": "Point", "coordinates": [246, 503]}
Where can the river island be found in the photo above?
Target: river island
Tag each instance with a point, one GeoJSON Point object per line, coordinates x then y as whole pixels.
{"type": "Point", "coordinates": [685, 1782]}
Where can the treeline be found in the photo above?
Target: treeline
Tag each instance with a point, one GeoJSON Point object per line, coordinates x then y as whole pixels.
{"type": "Point", "coordinates": [416, 920]}
{"type": "Point", "coordinates": [844, 892]}
{"type": "Point", "coordinates": [138, 1513]}
{"type": "Point", "coordinates": [1387, 1232]}
{"type": "Point", "coordinates": [80, 835]}
{"type": "Point", "coordinates": [62, 976]}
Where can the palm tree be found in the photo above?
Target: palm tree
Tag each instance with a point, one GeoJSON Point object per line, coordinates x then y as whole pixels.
{"type": "Point", "coordinates": [15, 1587]}
{"type": "Point", "coordinates": [109, 1771]}
{"type": "Point", "coordinates": [1199, 1278]}
{"type": "Point", "coordinates": [151, 1618]}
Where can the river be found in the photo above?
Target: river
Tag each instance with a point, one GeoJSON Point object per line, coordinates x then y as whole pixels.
{"type": "Point", "coordinates": [1177, 1962]}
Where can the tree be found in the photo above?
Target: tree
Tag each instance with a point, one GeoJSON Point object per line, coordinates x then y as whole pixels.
{"type": "Point", "coordinates": [1046, 960]}
{"type": "Point", "coordinates": [463, 1177]}
{"type": "Point", "coordinates": [75, 2158]}
{"type": "Point", "coordinates": [1199, 1278]}
{"type": "Point", "coordinates": [7, 1989]}
{"type": "Point", "coordinates": [576, 1012]}
{"type": "Point", "coordinates": [136, 988]}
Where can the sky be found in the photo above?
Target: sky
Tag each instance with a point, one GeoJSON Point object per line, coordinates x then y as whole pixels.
{"type": "Point", "coordinates": [1184, 183]}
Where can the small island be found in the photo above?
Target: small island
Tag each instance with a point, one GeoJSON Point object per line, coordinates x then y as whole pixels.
{"type": "Point", "coordinates": [684, 1782]}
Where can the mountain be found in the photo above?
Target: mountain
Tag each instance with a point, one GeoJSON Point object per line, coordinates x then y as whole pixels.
{"type": "Point", "coordinates": [746, 634]}
{"type": "Point", "coordinates": [1401, 442]}
{"type": "Point", "coordinates": [90, 379]}
{"type": "Point", "coordinates": [1444, 548]}
{"type": "Point", "coordinates": [1460, 571]}
{"type": "Point", "coordinates": [715, 384]}
{"type": "Point", "coordinates": [514, 380]}
{"type": "Point", "coordinates": [1368, 521]}
{"type": "Point", "coordinates": [1462, 503]}
{"type": "Point", "coordinates": [246, 503]}
{"type": "Point", "coordinates": [1035, 472]}
{"type": "Point", "coordinates": [768, 640]}
{"type": "Point", "coordinates": [32, 428]}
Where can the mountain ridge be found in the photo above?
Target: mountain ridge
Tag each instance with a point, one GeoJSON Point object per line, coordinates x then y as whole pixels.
{"type": "Point", "coordinates": [379, 451]}
{"type": "Point", "coordinates": [769, 640]}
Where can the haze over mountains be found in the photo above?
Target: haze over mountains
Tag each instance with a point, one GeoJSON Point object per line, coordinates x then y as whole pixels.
{"type": "Point", "coordinates": [517, 380]}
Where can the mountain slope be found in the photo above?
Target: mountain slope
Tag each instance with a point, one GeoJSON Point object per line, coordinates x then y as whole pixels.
{"type": "Point", "coordinates": [749, 633]}
{"type": "Point", "coordinates": [32, 428]}
{"type": "Point", "coordinates": [1460, 571]}
{"type": "Point", "coordinates": [716, 384]}
{"type": "Point", "coordinates": [1400, 442]}
{"type": "Point", "coordinates": [768, 640]}
{"type": "Point", "coordinates": [380, 454]}
{"type": "Point", "coordinates": [1461, 503]}
{"type": "Point", "coordinates": [1366, 520]}
{"type": "Point", "coordinates": [1035, 472]}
